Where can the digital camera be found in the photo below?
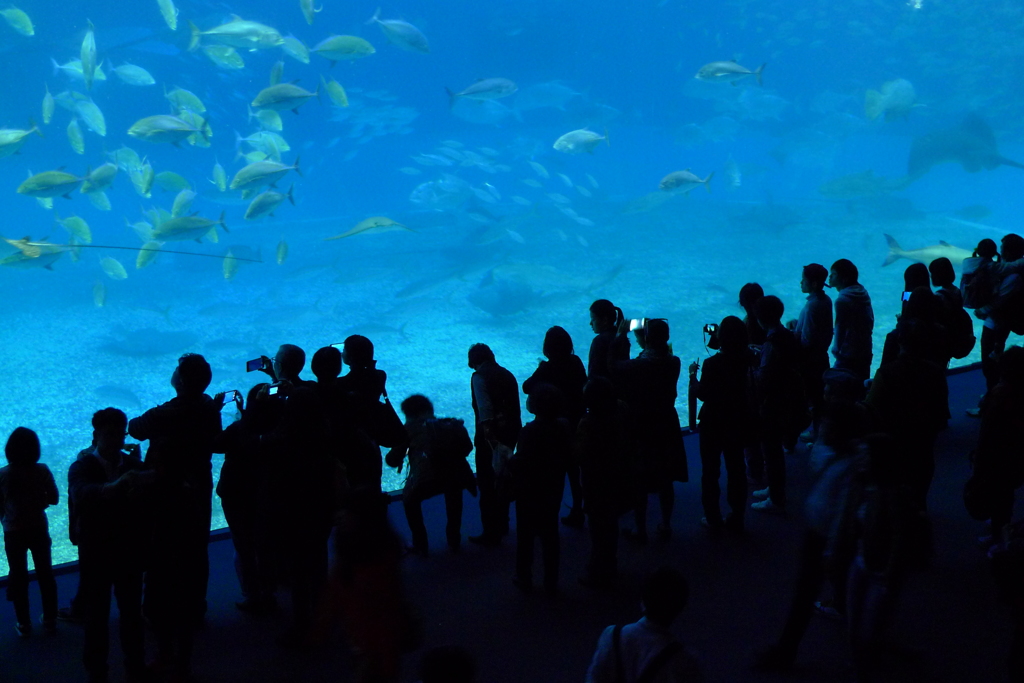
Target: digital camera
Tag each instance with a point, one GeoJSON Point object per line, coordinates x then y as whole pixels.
{"type": "Point", "coordinates": [711, 332]}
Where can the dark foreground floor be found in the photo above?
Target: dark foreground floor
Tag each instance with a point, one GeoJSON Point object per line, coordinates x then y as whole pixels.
{"type": "Point", "coordinates": [949, 626]}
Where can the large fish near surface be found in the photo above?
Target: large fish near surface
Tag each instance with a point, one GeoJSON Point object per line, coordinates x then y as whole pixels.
{"type": "Point", "coordinates": [248, 35]}
{"type": "Point", "coordinates": [972, 144]}
{"type": "Point", "coordinates": [163, 128]}
{"type": "Point", "coordinates": [681, 182]}
{"type": "Point", "coordinates": [895, 99]}
{"type": "Point", "coordinates": [50, 184]}
{"type": "Point", "coordinates": [338, 48]}
{"type": "Point", "coordinates": [192, 227]}
{"type": "Point", "coordinates": [283, 97]}
{"type": "Point", "coordinates": [925, 255]}
{"type": "Point", "coordinates": [727, 72]}
{"type": "Point", "coordinates": [579, 141]}
{"type": "Point", "coordinates": [260, 173]}
{"type": "Point", "coordinates": [401, 33]}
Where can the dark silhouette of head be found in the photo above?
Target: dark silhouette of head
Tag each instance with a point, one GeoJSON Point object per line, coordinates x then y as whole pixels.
{"type": "Point", "coordinates": [1012, 247]}
{"type": "Point", "coordinates": [769, 311]}
{"type": "Point", "coordinates": [289, 361]}
{"type": "Point", "coordinates": [22, 447]}
{"type": "Point", "coordinates": [326, 364]}
{"type": "Point", "coordinates": [260, 414]}
{"type": "Point", "coordinates": [922, 305]}
{"type": "Point", "coordinates": [480, 354]}
{"type": "Point", "coordinates": [665, 593]}
{"type": "Point", "coordinates": [915, 275]}
{"type": "Point", "coordinates": [603, 316]}
{"type": "Point", "coordinates": [358, 352]}
{"type": "Point", "coordinates": [545, 401]}
{"type": "Point", "coordinates": [447, 664]}
{"type": "Point", "coordinates": [108, 430]}
{"type": "Point", "coordinates": [815, 275]}
{"type": "Point", "coordinates": [987, 249]}
{"type": "Point", "coordinates": [654, 334]}
{"type": "Point", "coordinates": [942, 272]}
{"type": "Point", "coordinates": [192, 375]}
{"type": "Point", "coordinates": [417, 406]}
{"type": "Point", "coordinates": [732, 334]}
{"type": "Point", "coordinates": [750, 294]}
{"type": "Point", "coordinates": [557, 343]}
{"type": "Point", "coordinates": [599, 396]}
{"type": "Point", "coordinates": [843, 274]}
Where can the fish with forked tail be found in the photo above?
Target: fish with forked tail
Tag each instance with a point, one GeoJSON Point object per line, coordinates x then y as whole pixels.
{"type": "Point", "coordinates": [925, 255]}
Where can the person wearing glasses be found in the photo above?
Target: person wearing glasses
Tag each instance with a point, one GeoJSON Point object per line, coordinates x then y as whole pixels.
{"type": "Point", "coordinates": [647, 384]}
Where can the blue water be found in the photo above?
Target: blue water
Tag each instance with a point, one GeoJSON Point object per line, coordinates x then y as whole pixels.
{"type": "Point", "coordinates": [487, 257]}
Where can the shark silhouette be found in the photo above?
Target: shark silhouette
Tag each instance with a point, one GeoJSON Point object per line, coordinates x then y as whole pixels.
{"type": "Point", "coordinates": [972, 144]}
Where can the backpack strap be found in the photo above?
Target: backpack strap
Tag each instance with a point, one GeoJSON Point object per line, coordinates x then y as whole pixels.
{"type": "Point", "coordinates": [658, 663]}
{"type": "Point", "coordinates": [620, 670]}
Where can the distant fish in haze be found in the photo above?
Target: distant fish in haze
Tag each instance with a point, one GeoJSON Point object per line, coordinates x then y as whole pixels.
{"type": "Point", "coordinates": [732, 174]}
{"type": "Point", "coordinates": [247, 35]}
{"type": "Point", "coordinates": [100, 200]}
{"type": "Point", "coordinates": [265, 203]}
{"type": "Point", "coordinates": [925, 255]}
{"type": "Point", "coordinates": [88, 56]}
{"type": "Point", "coordinates": [184, 228]}
{"type": "Point", "coordinates": [163, 128]}
{"type": "Point", "coordinates": [727, 72]}
{"type": "Point", "coordinates": [76, 227]}
{"type": "Point", "coordinates": [148, 343]}
{"type": "Point", "coordinates": [48, 105]}
{"type": "Point", "coordinates": [220, 178]}
{"type": "Point", "coordinates": [401, 33]}
{"type": "Point", "coordinates": [283, 97]}
{"type": "Point", "coordinates": [682, 182]}
{"type": "Point", "coordinates": [372, 225]}
{"type": "Point", "coordinates": [309, 10]}
{"type": "Point", "coordinates": [895, 100]}
{"type": "Point", "coordinates": [73, 70]}
{"type": "Point", "coordinates": [859, 185]}
{"type": "Point", "coordinates": [12, 139]}
{"type": "Point", "coordinates": [552, 94]}
{"type": "Point", "coordinates": [261, 173]}
{"type": "Point", "coordinates": [182, 203]}
{"type": "Point", "coordinates": [281, 253]}
{"type": "Point", "coordinates": [117, 395]}
{"type": "Point", "coordinates": [224, 56]}
{"type": "Point", "coordinates": [91, 116]}
{"type": "Point", "coordinates": [335, 92]}
{"type": "Point", "coordinates": [972, 144]}
{"type": "Point", "coordinates": [134, 75]}
{"type": "Point", "coordinates": [169, 12]}
{"type": "Point", "coordinates": [113, 268]}
{"type": "Point", "coordinates": [99, 178]}
{"type": "Point", "coordinates": [503, 297]}
{"type": "Point", "coordinates": [182, 99]}
{"type": "Point", "coordinates": [169, 181]}
{"type": "Point", "coordinates": [483, 112]}
{"type": "Point", "coordinates": [484, 89]}
{"type": "Point", "coordinates": [579, 141]}
{"type": "Point", "coordinates": [276, 72]}
{"type": "Point", "coordinates": [18, 20]}
{"type": "Point", "coordinates": [99, 294]}
{"type": "Point", "coordinates": [340, 48]}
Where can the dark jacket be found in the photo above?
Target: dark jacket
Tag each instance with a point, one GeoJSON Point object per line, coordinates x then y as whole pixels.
{"type": "Point", "coordinates": [25, 493]}
{"type": "Point", "coordinates": [181, 433]}
{"type": "Point", "coordinates": [502, 391]}
{"type": "Point", "coordinates": [568, 376]}
{"type": "Point", "coordinates": [723, 388]}
{"type": "Point", "coordinates": [540, 460]}
{"type": "Point", "coordinates": [600, 348]}
{"type": "Point", "coordinates": [113, 523]}
{"type": "Point", "coordinates": [855, 321]}
{"type": "Point", "coordinates": [603, 451]}
{"type": "Point", "coordinates": [777, 376]}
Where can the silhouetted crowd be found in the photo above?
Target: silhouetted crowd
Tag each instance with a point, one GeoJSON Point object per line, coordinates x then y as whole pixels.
{"type": "Point", "coordinates": [303, 467]}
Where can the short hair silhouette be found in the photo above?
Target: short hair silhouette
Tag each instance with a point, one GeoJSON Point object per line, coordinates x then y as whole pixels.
{"type": "Point", "coordinates": [665, 593]}
{"type": "Point", "coordinates": [657, 332]}
{"type": "Point", "coordinates": [480, 353]}
{"type": "Point", "coordinates": [358, 351]}
{"type": "Point", "coordinates": [732, 334]}
{"type": "Point", "coordinates": [816, 273]}
{"type": "Point", "coordinates": [557, 343]}
{"type": "Point", "coordinates": [750, 294]}
{"type": "Point", "coordinates": [194, 373]}
{"type": "Point", "coordinates": [987, 248]}
{"type": "Point", "coordinates": [602, 308]}
{"type": "Point", "coordinates": [22, 447]}
{"type": "Point", "coordinates": [770, 310]}
{"type": "Point", "coordinates": [291, 359]}
{"type": "Point", "coordinates": [1013, 247]}
{"type": "Point", "coordinates": [417, 404]}
{"type": "Point", "coordinates": [326, 363]}
{"type": "Point", "coordinates": [845, 269]}
{"type": "Point", "coordinates": [109, 418]}
{"type": "Point", "coordinates": [915, 275]}
{"type": "Point", "coordinates": [942, 272]}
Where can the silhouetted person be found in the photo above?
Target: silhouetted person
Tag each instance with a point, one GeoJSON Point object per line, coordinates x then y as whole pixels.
{"type": "Point", "coordinates": [914, 276]}
{"type": "Point", "coordinates": [646, 650]}
{"type": "Point", "coordinates": [538, 475]}
{"type": "Point", "coordinates": [363, 387]}
{"type": "Point", "coordinates": [437, 466]}
{"type": "Point", "coordinates": [813, 329]}
{"type": "Point", "coordinates": [564, 370]}
{"type": "Point", "coordinates": [603, 450]}
{"type": "Point", "coordinates": [498, 421]}
{"type": "Point", "coordinates": [907, 401]}
{"type": "Point", "coordinates": [604, 321]}
{"type": "Point", "coordinates": [750, 294]}
{"type": "Point", "coordinates": [286, 365]}
{"type": "Point", "coordinates": [447, 664]}
{"type": "Point", "coordinates": [242, 488]}
{"type": "Point", "coordinates": [27, 488]}
{"type": "Point", "coordinates": [647, 384]}
{"type": "Point", "coordinates": [181, 436]}
{"type": "Point", "coordinates": [833, 460]}
{"type": "Point", "coordinates": [780, 401]}
{"type": "Point", "coordinates": [1003, 312]}
{"type": "Point", "coordinates": [998, 462]}
{"type": "Point", "coordinates": [725, 419]}
{"type": "Point", "coordinates": [855, 321]}
{"type": "Point", "coordinates": [107, 486]}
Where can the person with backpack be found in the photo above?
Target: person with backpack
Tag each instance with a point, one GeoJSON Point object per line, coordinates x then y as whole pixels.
{"type": "Point", "coordinates": [1004, 313]}
{"type": "Point", "coordinates": [437, 465]}
{"type": "Point", "coordinates": [645, 651]}
{"type": "Point", "coordinates": [958, 323]}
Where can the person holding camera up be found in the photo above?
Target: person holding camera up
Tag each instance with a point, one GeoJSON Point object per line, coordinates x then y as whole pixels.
{"type": "Point", "coordinates": [647, 383]}
{"type": "Point", "coordinates": [726, 420]}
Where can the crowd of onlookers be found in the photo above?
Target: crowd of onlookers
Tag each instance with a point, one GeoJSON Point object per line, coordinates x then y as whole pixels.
{"type": "Point", "coordinates": [303, 467]}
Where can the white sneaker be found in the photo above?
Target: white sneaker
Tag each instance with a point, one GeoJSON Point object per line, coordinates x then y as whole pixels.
{"type": "Point", "coordinates": [768, 506]}
{"type": "Point", "coordinates": [761, 494]}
